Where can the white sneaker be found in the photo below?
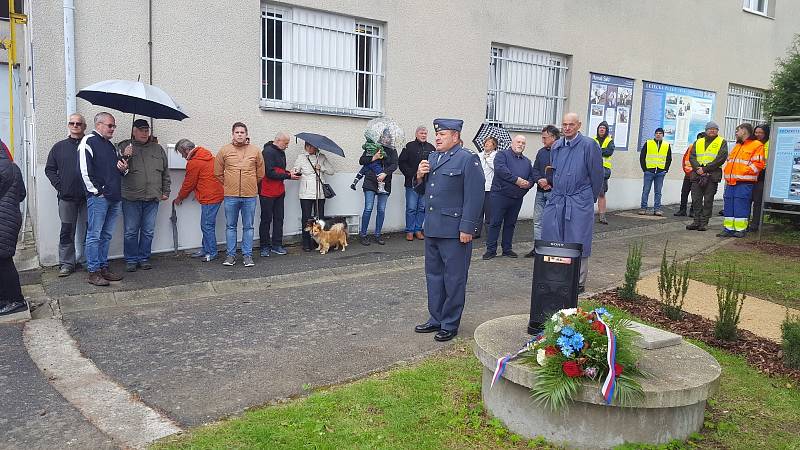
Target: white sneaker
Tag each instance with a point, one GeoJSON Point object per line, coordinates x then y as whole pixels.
{"type": "Point", "coordinates": [248, 261]}
{"type": "Point", "coordinates": [229, 260]}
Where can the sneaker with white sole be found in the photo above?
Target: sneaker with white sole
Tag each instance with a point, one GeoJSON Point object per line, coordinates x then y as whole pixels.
{"type": "Point", "coordinates": [229, 260]}
{"type": "Point", "coordinates": [248, 261]}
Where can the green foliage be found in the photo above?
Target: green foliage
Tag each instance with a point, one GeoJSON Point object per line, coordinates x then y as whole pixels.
{"type": "Point", "coordinates": [632, 271]}
{"type": "Point", "coordinates": [790, 332]}
{"type": "Point", "coordinates": [783, 96]}
{"type": "Point", "coordinates": [673, 282]}
{"type": "Point", "coordinates": [731, 288]}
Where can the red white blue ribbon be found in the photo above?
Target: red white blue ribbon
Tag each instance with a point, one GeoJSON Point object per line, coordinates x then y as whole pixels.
{"type": "Point", "coordinates": [502, 362]}
{"type": "Point", "coordinates": [611, 357]}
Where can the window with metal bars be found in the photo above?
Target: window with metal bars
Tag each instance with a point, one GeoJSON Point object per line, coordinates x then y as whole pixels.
{"type": "Point", "coordinates": [527, 88]}
{"type": "Point", "coordinates": [320, 62]}
{"type": "Point", "coordinates": [745, 104]}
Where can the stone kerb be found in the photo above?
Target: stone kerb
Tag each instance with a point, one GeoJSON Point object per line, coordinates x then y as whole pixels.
{"type": "Point", "coordinates": [684, 376]}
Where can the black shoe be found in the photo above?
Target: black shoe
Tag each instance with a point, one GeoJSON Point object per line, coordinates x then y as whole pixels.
{"type": "Point", "coordinates": [427, 327]}
{"type": "Point", "coordinates": [511, 254]}
{"type": "Point", "coordinates": [725, 233]}
{"type": "Point", "coordinates": [702, 228]}
{"type": "Point", "coordinates": [738, 234]}
{"type": "Point", "coordinates": [445, 335]}
{"type": "Point", "coordinates": [530, 254]}
{"type": "Point", "coordinates": [353, 186]}
{"type": "Point", "coordinates": [487, 256]}
{"type": "Point", "coordinates": [306, 249]}
{"type": "Point", "coordinates": [364, 240]}
{"type": "Point", "coordinates": [13, 307]}
{"type": "Point", "coordinates": [721, 213]}
{"type": "Point", "coordinates": [692, 226]}
{"type": "Point", "coordinates": [379, 240]}
{"type": "Point", "coordinates": [691, 214]}
{"type": "Point", "coordinates": [681, 212]}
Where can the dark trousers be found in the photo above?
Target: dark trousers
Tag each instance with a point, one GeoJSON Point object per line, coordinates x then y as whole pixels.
{"type": "Point", "coordinates": [758, 194]}
{"type": "Point", "coordinates": [686, 188]}
{"type": "Point", "coordinates": [308, 210]}
{"type": "Point", "coordinates": [271, 217]}
{"type": "Point", "coordinates": [703, 201]}
{"type": "Point", "coordinates": [504, 212]}
{"type": "Point", "coordinates": [446, 269]}
{"type": "Point", "coordinates": [10, 290]}
{"type": "Point", "coordinates": [485, 214]}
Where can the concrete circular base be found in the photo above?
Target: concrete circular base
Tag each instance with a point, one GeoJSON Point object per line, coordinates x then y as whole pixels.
{"type": "Point", "coordinates": [675, 397]}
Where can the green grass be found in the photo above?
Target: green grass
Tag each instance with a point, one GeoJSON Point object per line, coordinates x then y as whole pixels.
{"type": "Point", "coordinates": [771, 277]}
{"type": "Point", "coordinates": [437, 404]}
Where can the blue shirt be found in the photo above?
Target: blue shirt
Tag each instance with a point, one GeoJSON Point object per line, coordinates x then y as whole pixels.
{"type": "Point", "coordinates": [508, 166]}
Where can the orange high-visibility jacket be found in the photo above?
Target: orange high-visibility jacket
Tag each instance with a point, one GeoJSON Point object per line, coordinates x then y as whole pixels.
{"type": "Point", "coordinates": [687, 166]}
{"type": "Point", "coordinates": [745, 162]}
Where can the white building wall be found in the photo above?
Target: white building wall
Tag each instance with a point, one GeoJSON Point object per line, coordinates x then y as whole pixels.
{"type": "Point", "coordinates": [206, 54]}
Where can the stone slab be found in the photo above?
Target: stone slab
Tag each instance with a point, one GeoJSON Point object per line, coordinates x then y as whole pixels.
{"type": "Point", "coordinates": [651, 338]}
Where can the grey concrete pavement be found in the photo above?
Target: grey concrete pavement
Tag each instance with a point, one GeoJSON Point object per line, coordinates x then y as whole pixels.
{"type": "Point", "coordinates": [33, 415]}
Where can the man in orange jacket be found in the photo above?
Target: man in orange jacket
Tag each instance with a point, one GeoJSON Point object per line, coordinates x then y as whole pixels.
{"type": "Point", "coordinates": [744, 163]}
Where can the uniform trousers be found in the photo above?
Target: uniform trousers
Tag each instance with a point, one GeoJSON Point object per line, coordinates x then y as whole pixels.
{"type": "Point", "coordinates": [446, 269]}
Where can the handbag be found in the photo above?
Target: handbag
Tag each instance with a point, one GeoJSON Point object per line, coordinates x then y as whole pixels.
{"type": "Point", "coordinates": [327, 190]}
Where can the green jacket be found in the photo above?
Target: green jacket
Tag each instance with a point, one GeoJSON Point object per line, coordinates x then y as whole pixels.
{"type": "Point", "coordinates": [148, 172]}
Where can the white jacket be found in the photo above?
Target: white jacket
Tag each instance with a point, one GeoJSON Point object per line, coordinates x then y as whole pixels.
{"type": "Point", "coordinates": [308, 188]}
{"type": "Point", "coordinates": [488, 168]}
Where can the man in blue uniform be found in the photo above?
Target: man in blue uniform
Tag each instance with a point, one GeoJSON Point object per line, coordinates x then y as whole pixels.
{"type": "Point", "coordinates": [451, 182]}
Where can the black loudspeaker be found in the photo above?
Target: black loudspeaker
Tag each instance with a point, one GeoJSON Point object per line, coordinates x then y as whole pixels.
{"type": "Point", "coordinates": [556, 271]}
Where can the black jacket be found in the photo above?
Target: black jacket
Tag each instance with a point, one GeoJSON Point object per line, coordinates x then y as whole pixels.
{"type": "Point", "coordinates": [12, 193]}
{"type": "Point", "coordinates": [274, 157]}
{"type": "Point", "coordinates": [414, 152]}
{"type": "Point", "coordinates": [63, 171]}
{"type": "Point", "coordinates": [389, 165]}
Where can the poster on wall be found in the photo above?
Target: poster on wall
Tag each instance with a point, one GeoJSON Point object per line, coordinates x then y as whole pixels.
{"type": "Point", "coordinates": [682, 112]}
{"type": "Point", "coordinates": [610, 99]}
{"type": "Point", "coordinates": [783, 167]}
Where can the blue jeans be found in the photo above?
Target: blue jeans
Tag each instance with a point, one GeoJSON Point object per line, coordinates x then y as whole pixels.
{"type": "Point", "coordinates": [651, 179]}
{"type": "Point", "coordinates": [247, 207]}
{"type": "Point", "coordinates": [139, 219]}
{"type": "Point", "coordinates": [538, 208]}
{"type": "Point", "coordinates": [208, 225]}
{"type": "Point", "coordinates": [101, 218]}
{"type": "Point", "coordinates": [415, 211]}
{"type": "Point", "coordinates": [369, 201]}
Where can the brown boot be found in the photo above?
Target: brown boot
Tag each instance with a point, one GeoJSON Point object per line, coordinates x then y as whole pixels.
{"type": "Point", "coordinates": [409, 236]}
{"type": "Point", "coordinates": [96, 279]}
{"type": "Point", "coordinates": [419, 235]}
{"type": "Point", "coordinates": [109, 275]}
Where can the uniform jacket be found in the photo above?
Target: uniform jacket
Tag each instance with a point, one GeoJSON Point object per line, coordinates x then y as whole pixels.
{"type": "Point", "coordinates": [413, 153]}
{"type": "Point", "coordinates": [148, 172]}
{"type": "Point", "coordinates": [200, 178]}
{"type": "Point", "coordinates": [12, 193]}
{"type": "Point", "coordinates": [309, 187]}
{"type": "Point", "coordinates": [98, 162]}
{"type": "Point", "coordinates": [239, 168]}
{"type": "Point", "coordinates": [63, 171]}
{"type": "Point", "coordinates": [454, 193]}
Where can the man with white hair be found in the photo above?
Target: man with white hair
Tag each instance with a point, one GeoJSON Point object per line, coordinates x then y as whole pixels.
{"type": "Point", "coordinates": [414, 152]}
{"type": "Point", "coordinates": [272, 193]}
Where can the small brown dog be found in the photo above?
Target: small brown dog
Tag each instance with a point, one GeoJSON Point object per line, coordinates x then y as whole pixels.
{"type": "Point", "coordinates": [335, 237]}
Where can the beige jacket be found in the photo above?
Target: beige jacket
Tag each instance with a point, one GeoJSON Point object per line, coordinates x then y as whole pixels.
{"type": "Point", "coordinates": [308, 188]}
{"type": "Point", "coordinates": [239, 169]}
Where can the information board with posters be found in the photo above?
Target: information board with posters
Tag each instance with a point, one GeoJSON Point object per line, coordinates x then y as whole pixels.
{"type": "Point", "coordinates": [682, 112]}
{"type": "Point", "coordinates": [610, 99]}
{"type": "Point", "coordinates": [783, 162]}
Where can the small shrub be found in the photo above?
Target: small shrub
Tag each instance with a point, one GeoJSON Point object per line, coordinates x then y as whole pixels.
{"type": "Point", "coordinates": [633, 270]}
{"type": "Point", "coordinates": [731, 288]}
{"type": "Point", "coordinates": [673, 282]}
{"type": "Point", "coordinates": [790, 331]}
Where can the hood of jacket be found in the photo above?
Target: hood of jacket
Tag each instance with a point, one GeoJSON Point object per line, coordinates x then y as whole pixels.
{"type": "Point", "coordinates": [597, 131]}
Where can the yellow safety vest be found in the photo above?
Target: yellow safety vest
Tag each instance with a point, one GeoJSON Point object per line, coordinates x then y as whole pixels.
{"type": "Point", "coordinates": [656, 157]}
{"type": "Point", "coordinates": [766, 150]}
{"type": "Point", "coordinates": [707, 154]}
{"type": "Point", "coordinates": [606, 159]}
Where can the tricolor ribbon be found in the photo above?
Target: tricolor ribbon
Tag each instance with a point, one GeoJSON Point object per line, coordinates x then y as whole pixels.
{"type": "Point", "coordinates": [502, 362]}
{"type": "Point", "coordinates": [611, 379]}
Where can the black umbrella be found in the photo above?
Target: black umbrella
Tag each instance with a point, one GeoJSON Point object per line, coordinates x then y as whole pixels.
{"type": "Point", "coordinates": [174, 219]}
{"type": "Point", "coordinates": [488, 130]}
{"type": "Point", "coordinates": [321, 142]}
{"type": "Point", "coordinates": [133, 97]}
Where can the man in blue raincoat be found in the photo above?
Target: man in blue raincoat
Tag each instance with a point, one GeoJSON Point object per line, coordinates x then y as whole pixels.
{"type": "Point", "coordinates": [578, 175]}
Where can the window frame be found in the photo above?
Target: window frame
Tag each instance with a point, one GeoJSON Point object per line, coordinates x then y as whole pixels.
{"type": "Point", "coordinates": [751, 6]}
{"type": "Point", "coordinates": [369, 77]}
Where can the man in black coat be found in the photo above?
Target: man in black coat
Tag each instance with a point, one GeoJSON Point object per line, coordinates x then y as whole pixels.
{"type": "Point", "coordinates": [12, 193]}
{"type": "Point", "coordinates": [414, 152]}
{"type": "Point", "coordinates": [65, 175]}
{"type": "Point", "coordinates": [272, 194]}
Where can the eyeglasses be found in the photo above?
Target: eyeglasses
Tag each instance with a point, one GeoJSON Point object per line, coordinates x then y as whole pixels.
{"type": "Point", "coordinates": [74, 124]}
{"type": "Point", "coordinates": [109, 125]}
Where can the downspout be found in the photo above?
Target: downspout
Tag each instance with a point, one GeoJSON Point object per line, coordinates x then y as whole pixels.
{"type": "Point", "coordinates": [69, 57]}
{"type": "Point", "coordinates": [150, 50]}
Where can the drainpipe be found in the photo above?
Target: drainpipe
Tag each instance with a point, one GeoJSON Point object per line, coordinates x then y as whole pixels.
{"type": "Point", "coordinates": [69, 56]}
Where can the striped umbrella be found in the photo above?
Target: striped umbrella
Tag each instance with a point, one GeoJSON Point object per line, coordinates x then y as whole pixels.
{"type": "Point", "coordinates": [488, 130]}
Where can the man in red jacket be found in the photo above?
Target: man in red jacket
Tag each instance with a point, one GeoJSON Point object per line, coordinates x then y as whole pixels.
{"type": "Point", "coordinates": [207, 190]}
{"type": "Point", "coordinates": [272, 194]}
